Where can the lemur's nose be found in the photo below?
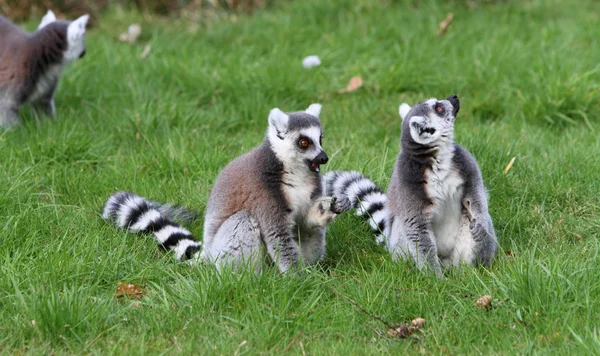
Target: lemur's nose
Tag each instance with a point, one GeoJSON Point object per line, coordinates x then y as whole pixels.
{"type": "Point", "coordinates": [453, 99]}
{"type": "Point", "coordinates": [322, 158]}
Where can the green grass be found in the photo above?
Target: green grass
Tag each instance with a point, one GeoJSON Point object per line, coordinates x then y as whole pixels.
{"type": "Point", "coordinates": [528, 77]}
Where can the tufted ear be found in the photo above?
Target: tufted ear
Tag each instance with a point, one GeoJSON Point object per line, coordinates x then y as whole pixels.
{"type": "Point", "coordinates": [76, 28]}
{"type": "Point", "coordinates": [403, 110]}
{"type": "Point", "coordinates": [314, 110]}
{"type": "Point", "coordinates": [48, 18]}
{"type": "Point", "coordinates": [279, 121]}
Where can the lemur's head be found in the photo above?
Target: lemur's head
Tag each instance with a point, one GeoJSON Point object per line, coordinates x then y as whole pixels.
{"type": "Point", "coordinates": [430, 122]}
{"type": "Point", "coordinates": [72, 33]}
{"type": "Point", "coordinates": [296, 138]}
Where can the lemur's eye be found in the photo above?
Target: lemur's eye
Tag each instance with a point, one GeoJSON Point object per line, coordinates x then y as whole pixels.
{"type": "Point", "coordinates": [304, 143]}
{"type": "Point", "coordinates": [439, 108]}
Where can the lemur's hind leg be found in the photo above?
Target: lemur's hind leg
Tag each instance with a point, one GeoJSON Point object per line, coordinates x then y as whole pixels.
{"type": "Point", "coordinates": [236, 243]}
{"type": "Point", "coordinates": [417, 242]}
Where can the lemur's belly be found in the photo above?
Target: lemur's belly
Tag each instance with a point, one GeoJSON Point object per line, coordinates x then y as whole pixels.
{"type": "Point", "coordinates": [446, 226]}
{"type": "Point", "coordinates": [449, 224]}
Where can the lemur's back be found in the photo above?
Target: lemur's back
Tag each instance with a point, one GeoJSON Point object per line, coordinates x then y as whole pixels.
{"type": "Point", "coordinates": [240, 186]}
{"type": "Point", "coordinates": [13, 43]}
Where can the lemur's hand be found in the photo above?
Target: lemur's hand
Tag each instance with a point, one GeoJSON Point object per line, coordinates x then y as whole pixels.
{"type": "Point", "coordinates": [340, 204]}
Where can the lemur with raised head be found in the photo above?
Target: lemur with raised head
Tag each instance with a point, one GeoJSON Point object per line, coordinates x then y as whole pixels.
{"type": "Point", "coordinates": [267, 203]}
{"type": "Point", "coordinates": [31, 63]}
{"type": "Point", "coordinates": [436, 209]}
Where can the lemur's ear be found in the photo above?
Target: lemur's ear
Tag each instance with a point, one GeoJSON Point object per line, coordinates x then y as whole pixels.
{"type": "Point", "coordinates": [403, 110]}
{"type": "Point", "coordinates": [76, 28]}
{"type": "Point", "coordinates": [279, 121]}
{"type": "Point", "coordinates": [314, 110]}
{"type": "Point", "coordinates": [48, 18]}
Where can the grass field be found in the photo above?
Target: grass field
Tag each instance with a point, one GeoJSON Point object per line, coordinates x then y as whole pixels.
{"type": "Point", "coordinates": [528, 77]}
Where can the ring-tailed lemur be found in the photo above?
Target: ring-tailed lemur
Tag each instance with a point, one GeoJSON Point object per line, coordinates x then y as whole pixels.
{"type": "Point", "coordinates": [436, 208]}
{"type": "Point", "coordinates": [266, 203]}
{"type": "Point", "coordinates": [30, 64]}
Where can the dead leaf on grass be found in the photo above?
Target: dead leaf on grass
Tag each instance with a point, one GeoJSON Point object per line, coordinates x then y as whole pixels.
{"type": "Point", "coordinates": [354, 83]}
{"type": "Point", "coordinates": [509, 165]}
{"type": "Point", "coordinates": [128, 290]}
{"type": "Point", "coordinates": [418, 322]}
{"type": "Point", "coordinates": [444, 24]}
{"type": "Point", "coordinates": [484, 302]}
{"type": "Point", "coordinates": [402, 331]}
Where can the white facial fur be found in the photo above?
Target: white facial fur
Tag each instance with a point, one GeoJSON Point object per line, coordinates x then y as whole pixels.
{"type": "Point", "coordinates": [286, 144]}
{"type": "Point", "coordinates": [76, 38]}
{"type": "Point", "coordinates": [48, 18]}
{"type": "Point", "coordinates": [427, 126]}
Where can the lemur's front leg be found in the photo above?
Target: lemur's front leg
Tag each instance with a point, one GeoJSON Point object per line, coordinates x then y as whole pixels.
{"type": "Point", "coordinates": [482, 230]}
{"type": "Point", "coordinates": [311, 231]}
{"type": "Point", "coordinates": [323, 211]}
{"type": "Point", "coordinates": [45, 104]}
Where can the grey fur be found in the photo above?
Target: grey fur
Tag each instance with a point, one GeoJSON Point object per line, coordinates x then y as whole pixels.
{"type": "Point", "coordinates": [30, 65]}
{"type": "Point", "coordinates": [436, 202]}
{"type": "Point", "coordinates": [252, 198]}
{"type": "Point", "coordinates": [266, 204]}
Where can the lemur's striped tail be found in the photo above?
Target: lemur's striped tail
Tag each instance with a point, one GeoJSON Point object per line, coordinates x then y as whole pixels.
{"type": "Point", "coordinates": [134, 213]}
{"type": "Point", "coordinates": [354, 190]}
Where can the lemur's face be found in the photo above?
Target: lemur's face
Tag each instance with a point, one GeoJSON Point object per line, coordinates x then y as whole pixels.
{"type": "Point", "coordinates": [297, 137]}
{"type": "Point", "coordinates": [431, 121]}
{"type": "Point", "coordinates": [75, 34]}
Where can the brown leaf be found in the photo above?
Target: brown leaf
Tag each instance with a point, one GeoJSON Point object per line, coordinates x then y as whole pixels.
{"type": "Point", "coordinates": [354, 83]}
{"type": "Point", "coordinates": [418, 322]}
{"type": "Point", "coordinates": [508, 253]}
{"type": "Point", "coordinates": [128, 290]}
{"type": "Point", "coordinates": [444, 24]}
{"type": "Point", "coordinates": [402, 331]}
{"type": "Point", "coordinates": [484, 302]}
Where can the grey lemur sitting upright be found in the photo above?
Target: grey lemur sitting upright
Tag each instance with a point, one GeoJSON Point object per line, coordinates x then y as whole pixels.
{"type": "Point", "coordinates": [267, 203]}
{"type": "Point", "coordinates": [30, 64]}
{"type": "Point", "coordinates": [436, 209]}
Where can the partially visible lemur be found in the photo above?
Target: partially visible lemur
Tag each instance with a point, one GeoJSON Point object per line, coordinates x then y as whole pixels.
{"type": "Point", "coordinates": [265, 203]}
{"type": "Point", "coordinates": [31, 63]}
{"type": "Point", "coordinates": [436, 208]}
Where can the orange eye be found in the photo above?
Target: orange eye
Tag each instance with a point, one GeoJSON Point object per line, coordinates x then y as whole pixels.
{"type": "Point", "coordinates": [304, 143]}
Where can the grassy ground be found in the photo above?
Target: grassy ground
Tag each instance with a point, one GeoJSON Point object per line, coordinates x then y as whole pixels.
{"type": "Point", "coordinates": [528, 77]}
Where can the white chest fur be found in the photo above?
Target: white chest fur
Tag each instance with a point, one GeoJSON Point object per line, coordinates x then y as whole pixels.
{"type": "Point", "coordinates": [46, 82]}
{"type": "Point", "coordinates": [298, 193]}
{"type": "Point", "coordinates": [444, 188]}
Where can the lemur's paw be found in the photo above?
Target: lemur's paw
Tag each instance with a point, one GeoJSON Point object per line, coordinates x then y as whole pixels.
{"type": "Point", "coordinates": [336, 206]}
{"type": "Point", "coordinates": [326, 211]}
{"type": "Point", "coordinates": [476, 228]}
{"type": "Point", "coordinates": [340, 204]}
